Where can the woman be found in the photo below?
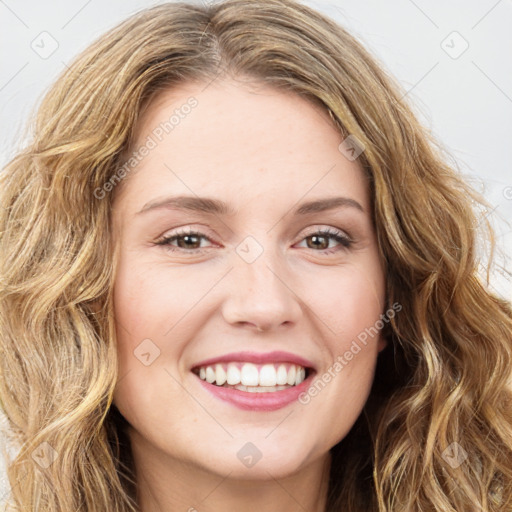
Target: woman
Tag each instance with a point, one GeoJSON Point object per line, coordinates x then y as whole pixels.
{"type": "Point", "coordinates": [238, 275]}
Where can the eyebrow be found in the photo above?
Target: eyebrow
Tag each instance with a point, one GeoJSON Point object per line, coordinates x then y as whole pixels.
{"type": "Point", "coordinates": [218, 207]}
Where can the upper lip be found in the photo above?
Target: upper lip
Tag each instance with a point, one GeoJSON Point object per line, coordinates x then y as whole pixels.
{"type": "Point", "coordinates": [257, 358]}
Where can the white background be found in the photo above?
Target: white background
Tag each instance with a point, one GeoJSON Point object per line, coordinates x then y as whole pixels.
{"type": "Point", "coordinates": [465, 101]}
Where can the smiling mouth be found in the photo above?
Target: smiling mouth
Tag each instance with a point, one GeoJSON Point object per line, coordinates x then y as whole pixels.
{"type": "Point", "coordinates": [253, 378]}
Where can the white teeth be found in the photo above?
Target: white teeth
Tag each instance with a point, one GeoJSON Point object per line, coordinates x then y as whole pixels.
{"type": "Point", "coordinates": [282, 375]}
{"type": "Point", "coordinates": [210, 374]}
{"type": "Point", "coordinates": [301, 375]}
{"type": "Point", "coordinates": [253, 378]}
{"type": "Point", "coordinates": [267, 375]}
{"type": "Point", "coordinates": [249, 375]}
{"type": "Point", "coordinates": [233, 374]}
{"type": "Point", "coordinates": [220, 375]}
{"type": "Point", "coordinates": [291, 375]}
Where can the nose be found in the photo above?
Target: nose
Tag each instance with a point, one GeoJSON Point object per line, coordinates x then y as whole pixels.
{"type": "Point", "coordinates": [261, 295]}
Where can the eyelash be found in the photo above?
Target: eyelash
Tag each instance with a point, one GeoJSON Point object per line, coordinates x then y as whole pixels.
{"type": "Point", "coordinates": [334, 234]}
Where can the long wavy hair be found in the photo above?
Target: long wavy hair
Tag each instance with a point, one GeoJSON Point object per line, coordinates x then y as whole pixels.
{"type": "Point", "coordinates": [442, 381]}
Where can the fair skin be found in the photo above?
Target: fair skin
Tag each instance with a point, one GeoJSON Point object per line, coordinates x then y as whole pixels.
{"type": "Point", "coordinates": [264, 152]}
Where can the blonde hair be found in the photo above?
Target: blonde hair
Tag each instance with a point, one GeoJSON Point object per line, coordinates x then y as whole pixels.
{"type": "Point", "coordinates": [443, 377]}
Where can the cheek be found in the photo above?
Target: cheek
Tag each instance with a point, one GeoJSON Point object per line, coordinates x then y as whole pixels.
{"type": "Point", "coordinates": [350, 306]}
{"type": "Point", "coordinates": [347, 300]}
{"type": "Point", "coordinates": [145, 308]}
{"type": "Point", "coordinates": [147, 299]}
{"type": "Point", "coordinates": [351, 311]}
{"type": "Point", "coordinates": [152, 295]}
{"type": "Point", "coordinates": [142, 318]}
{"type": "Point", "coordinates": [134, 289]}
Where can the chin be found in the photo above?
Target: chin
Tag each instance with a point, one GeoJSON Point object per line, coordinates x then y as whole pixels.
{"type": "Point", "coordinates": [253, 461]}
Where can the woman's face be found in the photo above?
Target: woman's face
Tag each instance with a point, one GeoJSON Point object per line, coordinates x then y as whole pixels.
{"type": "Point", "coordinates": [254, 293]}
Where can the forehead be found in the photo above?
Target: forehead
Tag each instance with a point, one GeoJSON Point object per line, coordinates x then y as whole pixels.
{"type": "Point", "coordinates": [239, 139]}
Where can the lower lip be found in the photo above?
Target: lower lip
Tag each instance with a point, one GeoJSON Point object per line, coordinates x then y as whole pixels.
{"type": "Point", "coordinates": [270, 401]}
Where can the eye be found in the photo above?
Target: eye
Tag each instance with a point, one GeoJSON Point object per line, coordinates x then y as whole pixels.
{"type": "Point", "coordinates": [187, 239]}
{"type": "Point", "coordinates": [320, 240]}
{"type": "Point", "coordinates": [190, 241]}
